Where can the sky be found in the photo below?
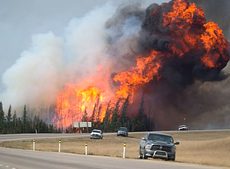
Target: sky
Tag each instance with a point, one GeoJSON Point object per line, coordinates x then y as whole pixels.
{"type": "Point", "coordinates": [19, 20]}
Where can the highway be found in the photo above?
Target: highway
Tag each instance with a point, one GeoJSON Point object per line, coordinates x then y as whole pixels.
{"type": "Point", "coordinates": [13, 137]}
{"type": "Point", "coordinates": [25, 159]}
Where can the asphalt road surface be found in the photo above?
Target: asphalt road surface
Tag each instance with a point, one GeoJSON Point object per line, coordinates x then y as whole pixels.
{"type": "Point", "coordinates": [25, 159]}
{"type": "Point", "coordinates": [13, 137]}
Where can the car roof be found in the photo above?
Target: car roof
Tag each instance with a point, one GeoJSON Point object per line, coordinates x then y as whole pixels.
{"type": "Point", "coordinates": [96, 130]}
{"type": "Point", "coordinates": [160, 133]}
{"type": "Point", "coordinates": [182, 125]}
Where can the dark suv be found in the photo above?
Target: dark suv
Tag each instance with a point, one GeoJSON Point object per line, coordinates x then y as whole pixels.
{"type": "Point", "coordinates": [122, 131]}
{"type": "Point", "coordinates": [158, 145]}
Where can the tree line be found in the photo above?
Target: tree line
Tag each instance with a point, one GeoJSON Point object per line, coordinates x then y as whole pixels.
{"type": "Point", "coordinates": [115, 117]}
{"type": "Point", "coordinates": [118, 116]}
{"type": "Point", "coordinates": [10, 123]}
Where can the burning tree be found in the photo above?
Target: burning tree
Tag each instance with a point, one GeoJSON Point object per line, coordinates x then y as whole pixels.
{"type": "Point", "coordinates": [176, 46]}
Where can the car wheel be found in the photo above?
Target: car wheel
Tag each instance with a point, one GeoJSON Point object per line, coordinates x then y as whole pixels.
{"type": "Point", "coordinates": [144, 154]}
{"type": "Point", "coordinates": [140, 154]}
{"type": "Point", "coordinates": [172, 158]}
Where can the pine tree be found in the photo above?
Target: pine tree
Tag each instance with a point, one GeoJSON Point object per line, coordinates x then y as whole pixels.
{"type": "Point", "coordinates": [115, 123]}
{"type": "Point", "coordinates": [14, 123]}
{"type": "Point", "coordinates": [93, 113]}
{"type": "Point", "coordinates": [9, 115]}
{"type": "Point", "coordinates": [24, 120]}
{"type": "Point", "coordinates": [106, 120]}
{"type": "Point", "coordinates": [9, 121]}
{"type": "Point", "coordinates": [2, 119]}
{"type": "Point", "coordinates": [124, 118]}
{"type": "Point", "coordinates": [85, 116]}
{"type": "Point", "coordinates": [97, 121]}
{"type": "Point", "coordinates": [93, 118]}
{"type": "Point", "coordinates": [141, 120]}
{"type": "Point", "coordinates": [99, 114]}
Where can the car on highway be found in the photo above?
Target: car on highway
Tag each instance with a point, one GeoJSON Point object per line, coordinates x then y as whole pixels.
{"type": "Point", "coordinates": [158, 145]}
{"type": "Point", "coordinates": [182, 127]}
{"type": "Point", "coordinates": [96, 134]}
{"type": "Point", "coordinates": [122, 131]}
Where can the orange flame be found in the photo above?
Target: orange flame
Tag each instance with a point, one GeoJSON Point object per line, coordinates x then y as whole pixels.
{"type": "Point", "coordinates": [213, 40]}
{"type": "Point", "coordinates": [182, 13]}
{"type": "Point", "coordinates": [146, 69]}
{"type": "Point", "coordinates": [180, 20]}
{"type": "Point", "coordinates": [73, 102]}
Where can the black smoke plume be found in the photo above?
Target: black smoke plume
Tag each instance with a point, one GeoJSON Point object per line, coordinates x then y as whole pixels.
{"type": "Point", "coordinates": [180, 96]}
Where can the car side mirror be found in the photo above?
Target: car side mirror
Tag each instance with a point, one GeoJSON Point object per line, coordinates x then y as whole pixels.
{"type": "Point", "coordinates": [177, 143]}
{"type": "Point", "coordinates": [144, 139]}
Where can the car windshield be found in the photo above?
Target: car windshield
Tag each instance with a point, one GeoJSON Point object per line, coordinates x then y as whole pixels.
{"type": "Point", "coordinates": [97, 131]}
{"type": "Point", "coordinates": [159, 137]}
{"type": "Point", "coordinates": [123, 129]}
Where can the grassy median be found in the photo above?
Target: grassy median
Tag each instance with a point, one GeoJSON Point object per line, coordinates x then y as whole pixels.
{"type": "Point", "coordinates": [209, 148]}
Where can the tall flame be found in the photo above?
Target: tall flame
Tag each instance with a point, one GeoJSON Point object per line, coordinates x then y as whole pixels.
{"type": "Point", "coordinates": [73, 102]}
{"type": "Point", "coordinates": [190, 39]}
{"type": "Point", "coordinates": [145, 70]}
{"type": "Point", "coordinates": [214, 42]}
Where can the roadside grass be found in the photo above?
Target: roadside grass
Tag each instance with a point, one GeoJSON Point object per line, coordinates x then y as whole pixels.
{"type": "Point", "coordinates": [209, 147]}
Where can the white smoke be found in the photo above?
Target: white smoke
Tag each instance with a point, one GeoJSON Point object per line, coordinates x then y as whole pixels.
{"type": "Point", "coordinates": [86, 42]}
{"type": "Point", "coordinates": [35, 77]}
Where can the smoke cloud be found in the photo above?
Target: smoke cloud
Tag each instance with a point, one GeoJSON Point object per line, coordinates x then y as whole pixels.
{"type": "Point", "coordinates": [54, 60]}
{"type": "Point", "coordinates": [35, 76]}
{"type": "Point", "coordinates": [106, 41]}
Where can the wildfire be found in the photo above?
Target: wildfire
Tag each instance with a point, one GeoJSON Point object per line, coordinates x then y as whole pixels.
{"type": "Point", "coordinates": [183, 14]}
{"type": "Point", "coordinates": [73, 103]}
{"type": "Point", "coordinates": [190, 39]}
{"type": "Point", "coordinates": [215, 43]}
{"type": "Point", "coordinates": [146, 69]}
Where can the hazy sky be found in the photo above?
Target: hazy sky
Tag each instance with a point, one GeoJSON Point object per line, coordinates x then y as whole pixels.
{"type": "Point", "coordinates": [19, 20]}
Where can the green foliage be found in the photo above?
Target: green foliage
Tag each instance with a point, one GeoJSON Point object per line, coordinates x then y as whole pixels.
{"type": "Point", "coordinates": [2, 119]}
{"type": "Point", "coordinates": [124, 109]}
{"type": "Point", "coordinates": [116, 117]}
{"type": "Point", "coordinates": [115, 122]}
{"type": "Point", "coordinates": [25, 124]}
{"type": "Point", "coordinates": [106, 120]}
